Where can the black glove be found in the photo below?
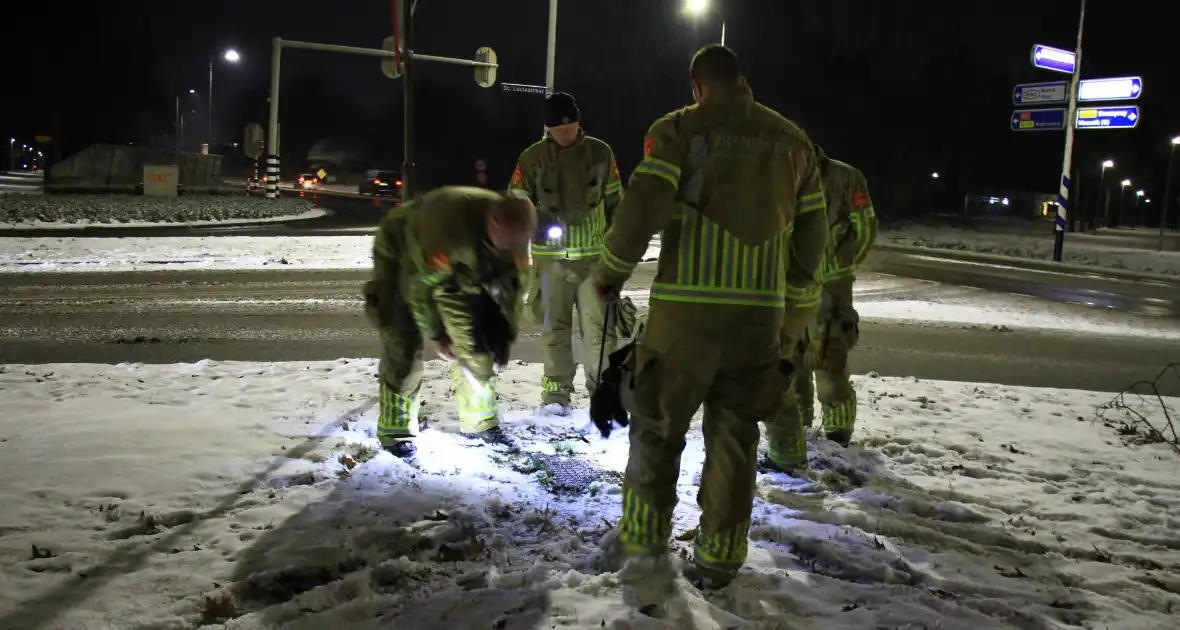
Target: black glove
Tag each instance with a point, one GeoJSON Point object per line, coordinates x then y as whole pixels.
{"type": "Point", "coordinates": [493, 335]}
{"type": "Point", "coordinates": [606, 405]}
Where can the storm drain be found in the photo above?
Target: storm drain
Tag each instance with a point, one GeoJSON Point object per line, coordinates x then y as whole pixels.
{"type": "Point", "coordinates": [561, 473]}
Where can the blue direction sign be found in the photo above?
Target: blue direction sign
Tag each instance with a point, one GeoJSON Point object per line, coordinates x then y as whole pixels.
{"type": "Point", "coordinates": [1049, 58]}
{"type": "Point", "coordinates": [1124, 117]}
{"type": "Point", "coordinates": [1038, 119]}
{"type": "Point", "coordinates": [1117, 89]}
{"type": "Point", "coordinates": [1035, 93]}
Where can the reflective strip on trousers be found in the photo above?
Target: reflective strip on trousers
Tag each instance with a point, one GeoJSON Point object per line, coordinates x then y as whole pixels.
{"type": "Point", "coordinates": [725, 551]}
{"type": "Point", "coordinates": [549, 386]}
{"type": "Point", "coordinates": [841, 415]}
{"type": "Point", "coordinates": [397, 415]}
{"type": "Point", "coordinates": [475, 402]}
{"type": "Point", "coordinates": [643, 530]}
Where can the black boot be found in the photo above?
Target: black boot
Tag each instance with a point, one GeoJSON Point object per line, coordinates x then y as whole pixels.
{"type": "Point", "coordinates": [843, 437]}
{"type": "Point", "coordinates": [494, 436]}
{"type": "Point", "coordinates": [402, 450]}
{"type": "Point", "coordinates": [801, 471]}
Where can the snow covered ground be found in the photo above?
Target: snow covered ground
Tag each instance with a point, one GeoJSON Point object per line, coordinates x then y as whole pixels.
{"type": "Point", "coordinates": [1082, 249]}
{"type": "Point", "coordinates": [250, 495]}
{"type": "Point", "coordinates": [200, 252]}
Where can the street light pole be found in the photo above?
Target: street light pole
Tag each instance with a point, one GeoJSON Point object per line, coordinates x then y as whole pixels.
{"type": "Point", "coordinates": [176, 129]}
{"type": "Point", "coordinates": [1103, 196]}
{"type": "Point", "coordinates": [551, 49]}
{"type": "Point", "coordinates": [209, 135]}
{"type": "Point", "coordinates": [1167, 192]}
{"type": "Point", "coordinates": [1067, 159]}
{"type": "Point", "coordinates": [722, 32]}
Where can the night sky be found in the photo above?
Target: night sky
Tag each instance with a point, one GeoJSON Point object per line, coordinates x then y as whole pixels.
{"type": "Point", "coordinates": [899, 89]}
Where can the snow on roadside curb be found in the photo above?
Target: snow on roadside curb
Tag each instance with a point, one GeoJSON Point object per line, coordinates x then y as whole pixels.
{"type": "Point", "coordinates": [314, 213]}
{"type": "Point", "coordinates": [191, 252]}
{"type": "Point", "coordinates": [253, 490]}
{"type": "Point", "coordinates": [1080, 250]}
{"type": "Point", "coordinates": [83, 210]}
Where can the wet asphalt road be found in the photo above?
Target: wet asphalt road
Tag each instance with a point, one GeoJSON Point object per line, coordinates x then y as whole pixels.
{"type": "Point", "coordinates": [273, 315]}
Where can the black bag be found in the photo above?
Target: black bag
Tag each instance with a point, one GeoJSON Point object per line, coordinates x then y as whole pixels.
{"type": "Point", "coordinates": [493, 335]}
{"type": "Point", "coordinates": [606, 405]}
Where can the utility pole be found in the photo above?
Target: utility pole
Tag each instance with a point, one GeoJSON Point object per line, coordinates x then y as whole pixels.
{"type": "Point", "coordinates": [1066, 162]}
{"type": "Point", "coordinates": [209, 136]}
{"type": "Point", "coordinates": [551, 49]}
{"type": "Point", "coordinates": [176, 130]}
{"type": "Point", "coordinates": [409, 168]}
{"type": "Point", "coordinates": [1167, 192]}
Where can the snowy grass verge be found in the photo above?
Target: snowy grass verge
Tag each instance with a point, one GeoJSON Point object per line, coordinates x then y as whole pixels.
{"type": "Point", "coordinates": [101, 210]}
{"type": "Point", "coordinates": [192, 252]}
{"type": "Point", "coordinates": [252, 495]}
{"type": "Point", "coordinates": [1080, 250]}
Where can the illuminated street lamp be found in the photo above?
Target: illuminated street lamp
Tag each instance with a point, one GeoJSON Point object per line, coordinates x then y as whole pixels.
{"type": "Point", "coordinates": [1167, 191]}
{"type": "Point", "coordinates": [698, 8]}
{"type": "Point", "coordinates": [231, 56]}
{"type": "Point", "coordinates": [934, 175]}
{"type": "Point", "coordinates": [1102, 194]}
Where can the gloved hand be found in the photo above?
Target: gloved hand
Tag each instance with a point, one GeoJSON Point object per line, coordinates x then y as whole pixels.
{"type": "Point", "coordinates": [606, 405]}
{"type": "Point", "coordinates": [607, 293]}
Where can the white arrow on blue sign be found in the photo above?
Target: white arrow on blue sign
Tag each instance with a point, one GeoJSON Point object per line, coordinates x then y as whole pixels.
{"type": "Point", "coordinates": [1117, 117]}
{"type": "Point", "coordinates": [1032, 93]}
{"type": "Point", "coordinates": [1049, 58]}
{"type": "Point", "coordinates": [1038, 119]}
{"type": "Point", "coordinates": [1116, 89]}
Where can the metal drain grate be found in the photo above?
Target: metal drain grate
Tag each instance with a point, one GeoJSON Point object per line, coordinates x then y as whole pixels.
{"type": "Point", "coordinates": [571, 474]}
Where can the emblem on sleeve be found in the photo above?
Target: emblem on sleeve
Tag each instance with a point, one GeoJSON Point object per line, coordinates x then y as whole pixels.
{"type": "Point", "coordinates": [438, 260]}
{"type": "Point", "coordinates": [860, 200]}
{"type": "Point", "coordinates": [517, 177]}
{"type": "Point", "coordinates": [614, 170]}
{"type": "Point", "coordinates": [649, 143]}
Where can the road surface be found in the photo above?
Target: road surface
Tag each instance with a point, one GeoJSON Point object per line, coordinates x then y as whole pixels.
{"type": "Point", "coordinates": [166, 317]}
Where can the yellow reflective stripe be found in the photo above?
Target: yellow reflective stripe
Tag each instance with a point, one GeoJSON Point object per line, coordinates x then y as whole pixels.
{"type": "Point", "coordinates": [812, 203]}
{"type": "Point", "coordinates": [614, 187]}
{"type": "Point", "coordinates": [724, 551]}
{"type": "Point", "coordinates": [860, 221]}
{"type": "Point", "coordinates": [714, 265]}
{"type": "Point", "coordinates": [804, 296]}
{"type": "Point", "coordinates": [841, 415]}
{"type": "Point", "coordinates": [396, 413]}
{"type": "Point", "coordinates": [673, 292]}
{"type": "Point", "coordinates": [614, 263]}
{"type": "Point", "coordinates": [664, 170]}
{"type": "Point", "coordinates": [580, 240]}
{"type": "Point", "coordinates": [517, 191]}
{"type": "Point", "coordinates": [643, 529]}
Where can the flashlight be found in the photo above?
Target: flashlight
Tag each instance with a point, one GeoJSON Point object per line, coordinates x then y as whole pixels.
{"type": "Point", "coordinates": [554, 232]}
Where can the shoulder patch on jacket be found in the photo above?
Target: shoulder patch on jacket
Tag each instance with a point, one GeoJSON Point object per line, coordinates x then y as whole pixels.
{"type": "Point", "coordinates": [649, 144]}
{"type": "Point", "coordinates": [517, 177]}
{"type": "Point", "coordinates": [438, 261]}
{"type": "Point", "coordinates": [860, 200]}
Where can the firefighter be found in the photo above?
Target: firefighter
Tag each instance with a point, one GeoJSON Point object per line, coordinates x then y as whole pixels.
{"type": "Point", "coordinates": [574, 182]}
{"type": "Point", "coordinates": [853, 228]}
{"type": "Point", "coordinates": [446, 268]}
{"type": "Point", "coordinates": [724, 179]}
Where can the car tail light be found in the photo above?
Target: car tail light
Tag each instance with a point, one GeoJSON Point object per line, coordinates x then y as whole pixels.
{"type": "Point", "coordinates": [300, 180]}
{"type": "Point", "coordinates": [377, 181]}
{"type": "Point", "coordinates": [398, 183]}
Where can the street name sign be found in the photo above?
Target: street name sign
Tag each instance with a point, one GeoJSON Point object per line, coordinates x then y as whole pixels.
{"type": "Point", "coordinates": [524, 89]}
{"type": "Point", "coordinates": [1038, 120]}
{"type": "Point", "coordinates": [1116, 89]}
{"type": "Point", "coordinates": [1036, 93]}
{"type": "Point", "coordinates": [1055, 59]}
{"type": "Point", "coordinates": [1116, 117]}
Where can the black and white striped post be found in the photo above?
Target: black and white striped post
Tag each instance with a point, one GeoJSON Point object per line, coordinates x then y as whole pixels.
{"type": "Point", "coordinates": [272, 176]}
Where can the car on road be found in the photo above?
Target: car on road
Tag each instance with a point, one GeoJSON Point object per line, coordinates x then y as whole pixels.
{"type": "Point", "coordinates": [308, 181]}
{"type": "Point", "coordinates": [377, 182]}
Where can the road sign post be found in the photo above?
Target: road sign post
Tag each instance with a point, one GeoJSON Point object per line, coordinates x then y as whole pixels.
{"type": "Point", "coordinates": [1075, 68]}
{"type": "Point", "coordinates": [1115, 89]}
{"type": "Point", "coordinates": [1114, 117]}
{"type": "Point", "coordinates": [1055, 59]}
{"type": "Point", "coordinates": [1040, 93]}
{"type": "Point", "coordinates": [1038, 119]}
